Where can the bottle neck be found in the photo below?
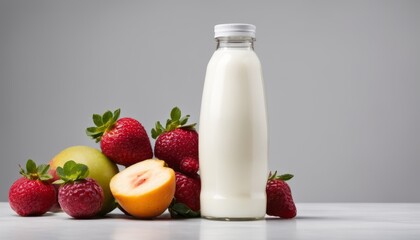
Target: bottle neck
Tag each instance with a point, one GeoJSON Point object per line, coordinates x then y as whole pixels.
{"type": "Point", "coordinates": [246, 43]}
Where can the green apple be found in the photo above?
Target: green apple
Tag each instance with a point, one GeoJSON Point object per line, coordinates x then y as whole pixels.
{"type": "Point", "coordinates": [100, 168]}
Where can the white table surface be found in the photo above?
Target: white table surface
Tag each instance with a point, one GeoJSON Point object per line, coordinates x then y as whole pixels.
{"type": "Point", "coordinates": [314, 221]}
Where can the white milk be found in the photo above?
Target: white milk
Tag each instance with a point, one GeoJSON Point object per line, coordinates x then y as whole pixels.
{"type": "Point", "coordinates": [233, 133]}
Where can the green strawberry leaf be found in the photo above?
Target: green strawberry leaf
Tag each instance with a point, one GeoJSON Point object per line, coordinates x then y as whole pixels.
{"type": "Point", "coordinates": [35, 172]}
{"type": "Point", "coordinates": [107, 116]}
{"type": "Point", "coordinates": [154, 133]}
{"type": "Point", "coordinates": [184, 120]}
{"type": "Point", "coordinates": [116, 115]}
{"type": "Point", "coordinates": [159, 127]}
{"type": "Point", "coordinates": [168, 122]}
{"type": "Point", "coordinates": [72, 171]}
{"type": "Point", "coordinates": [68, 167]}
{"type": "Point", "coordinates": [92, 131]}
{"type": "Point", "coordinates": [157, 130]}
{"type": "Point", "coordinates": [102, 124]}
{"type": "Point", "coordinates": [21, 171]}
{"type": "Point", "coordinates": [175, 114]}
{"type": "Point", "coordinates": [45, 177]}
{"type": "Point", "coordinates": [284, 177]}
{"type": "Point", "coordinates": [43, 169]}
{"type": "Point", "coordinates": [82, 171]}
{"type": "Point", "coordinates": [176, 121]}
{"type": "Point", "coordinates": [30, 166]}
{"type": "Point", "coordinates": [59, 182]}
{"type": "Point", "coordinates": [97, 120]}
{"type": "Point", "coordinates": [60, 172]}
{"type": "Point", "coordinates": [180, 210]}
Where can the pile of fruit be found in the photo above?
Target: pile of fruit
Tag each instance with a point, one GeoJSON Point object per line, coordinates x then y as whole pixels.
{"type": "Point", "coordinates": [85, 182]}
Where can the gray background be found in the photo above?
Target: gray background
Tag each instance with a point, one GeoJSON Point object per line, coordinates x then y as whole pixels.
{"type": "Point", "coordinates": [342, 83]}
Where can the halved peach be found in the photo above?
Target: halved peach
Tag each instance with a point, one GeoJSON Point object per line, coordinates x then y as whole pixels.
{"type": "Point", "coordinates": [144, 189]}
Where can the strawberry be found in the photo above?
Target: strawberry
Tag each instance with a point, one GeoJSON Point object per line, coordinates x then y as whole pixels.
{"type": "Point", "coordinates": [79, 197]}
{"type": "Point", "coordinates": [186, 203]}
{"type": "Point", "coordinates": [124, 140]}
{"type": "Point", "coordinates": [176, 141]}
{"type": "Point", "coordinates": [189, 166]}
{"type": "Point", "coordinates": [32, 194]}
{"type": "Point", "coordinates": [279, 197]}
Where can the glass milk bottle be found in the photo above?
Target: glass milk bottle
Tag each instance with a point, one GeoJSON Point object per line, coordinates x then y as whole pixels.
{"type": "Point", "coordinates": [233, 129]}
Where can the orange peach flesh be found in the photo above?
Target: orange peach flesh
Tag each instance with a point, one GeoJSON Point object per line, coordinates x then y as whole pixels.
{"type": "Point", "coordinates": [145, 190]}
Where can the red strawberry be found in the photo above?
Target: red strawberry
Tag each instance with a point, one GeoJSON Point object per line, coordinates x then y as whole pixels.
{"type": "Point", "coordinates": [279, 197]}
{"type": "Point", "coordinates": [32, 195]}
{"type": "Point", "coordinates": [189, 166]}
{"type": "Point", "coordinates": [79, 197]}
{"type": "Point", "coordinates": [187, 196]}
{"type": "Point", "coordinates": [124, 140]}
{"type": "Point", "coordinates": [176, 141]}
